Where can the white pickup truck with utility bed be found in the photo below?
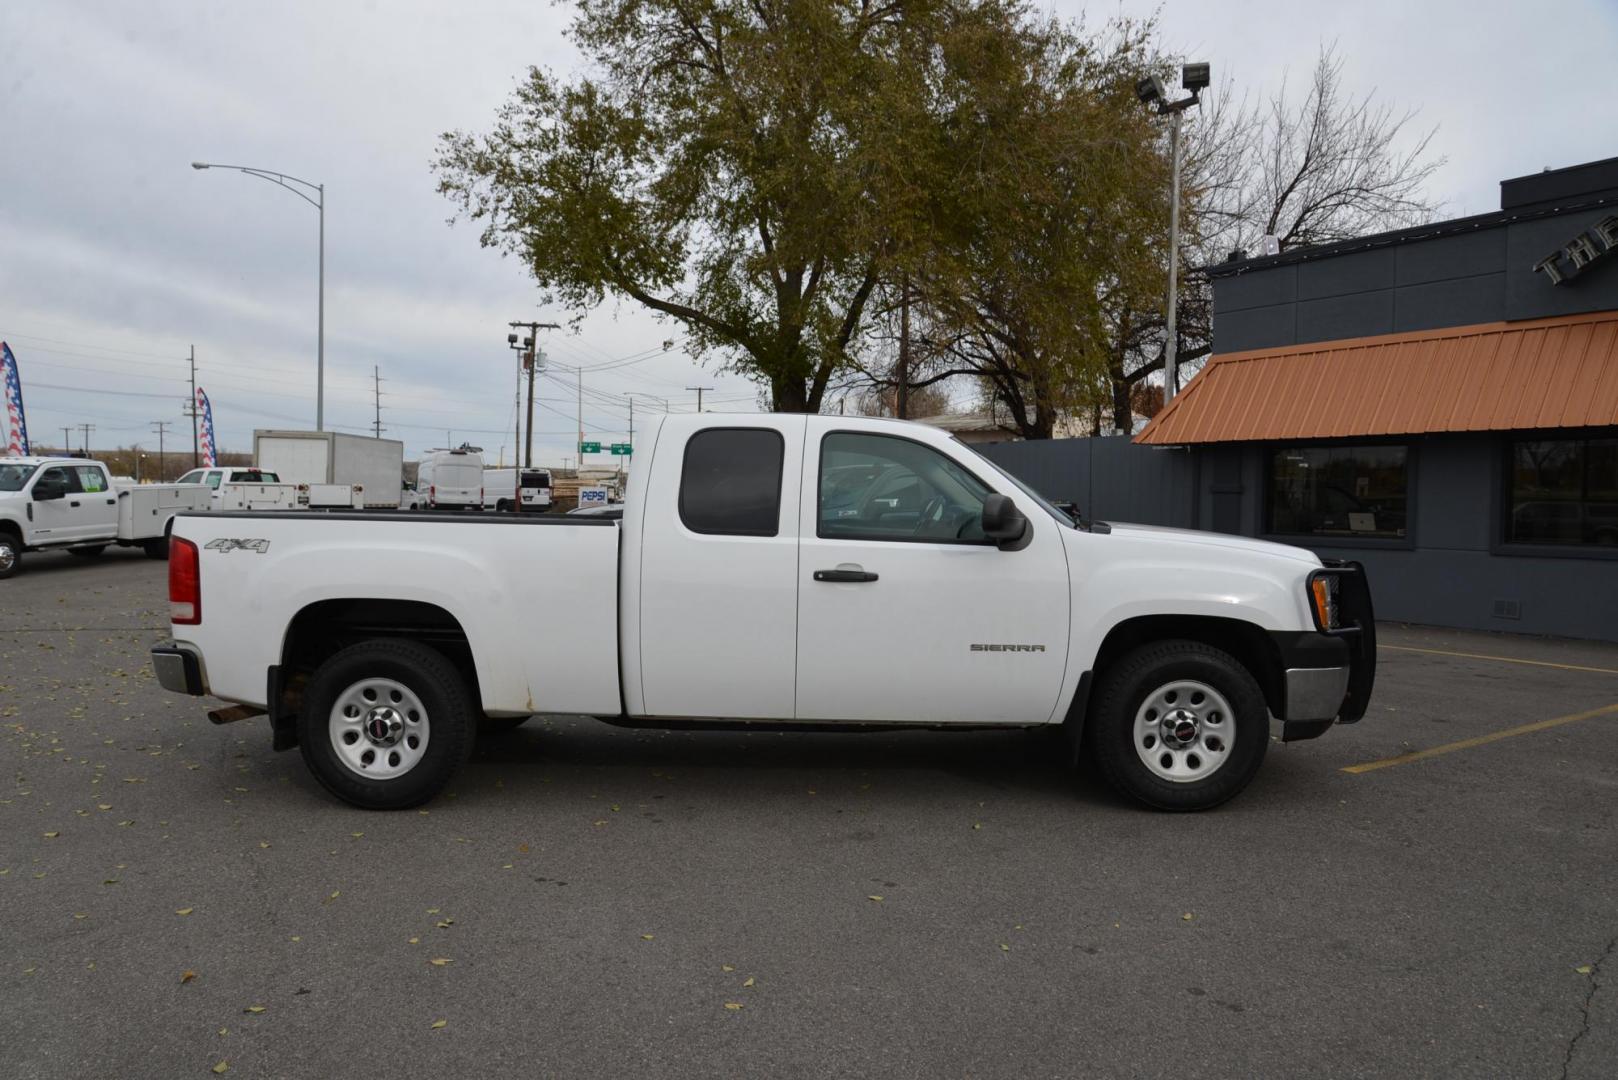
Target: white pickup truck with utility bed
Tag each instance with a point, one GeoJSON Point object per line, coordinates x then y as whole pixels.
{"type": "Point", "coordinates": [783, 571]}
{"type": "Point", "coordinates": [74, 505]}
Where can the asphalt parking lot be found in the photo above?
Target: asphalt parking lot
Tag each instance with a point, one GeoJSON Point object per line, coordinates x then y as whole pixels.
{"type": "Point", "coordinates": [594, 901]}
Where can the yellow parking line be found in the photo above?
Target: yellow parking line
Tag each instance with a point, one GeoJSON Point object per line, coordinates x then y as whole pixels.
{"type": "Point", "coordinates": [1502, 659]}
{"type": "Point", "coordinates": [1467, 744]}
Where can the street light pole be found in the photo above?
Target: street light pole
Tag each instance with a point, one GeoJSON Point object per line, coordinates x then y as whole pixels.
{"type": "Point", "coordinates": [319, 203]}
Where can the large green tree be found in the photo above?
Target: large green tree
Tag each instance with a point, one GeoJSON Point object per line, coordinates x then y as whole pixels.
{"type": "Point", "coordinates": [747, 168]}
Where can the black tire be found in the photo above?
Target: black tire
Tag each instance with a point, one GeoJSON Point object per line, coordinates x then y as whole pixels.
{"type": "Point", "coordinates": [1123, 692]}
{"type": "Point", "coordinates": [156, 549]}
{"type": "Point", "coordinates": [10, 555]}
{"type": "Point", "coordinates": [87, 552]}
{"type": "Point", "coordinates": [500, 725]}
{"type": "Point", "coordinates": [443, 694]}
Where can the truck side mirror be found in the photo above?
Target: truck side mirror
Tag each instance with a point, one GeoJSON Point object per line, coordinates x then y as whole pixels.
{"type": "Point", "coordinates": [48, 491]}
{"type": "Point", "coordinates": [1004, 523]}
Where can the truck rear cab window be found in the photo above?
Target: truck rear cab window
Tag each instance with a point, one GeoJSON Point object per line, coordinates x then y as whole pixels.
{"type": "Point", "coordinates": [730, 483]}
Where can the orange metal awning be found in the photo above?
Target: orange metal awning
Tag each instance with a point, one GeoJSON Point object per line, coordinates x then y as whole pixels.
{"type": "Point", "coordinates": [1542, 373]}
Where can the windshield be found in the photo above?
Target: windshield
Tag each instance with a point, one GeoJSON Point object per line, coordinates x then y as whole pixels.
{"type": "Point", "coordinates": [1045, 504]}
{"type": "Point", "coordinates": [13, 477]}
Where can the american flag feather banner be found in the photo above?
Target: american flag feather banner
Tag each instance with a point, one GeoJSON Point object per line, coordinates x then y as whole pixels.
{"type": "Point", "coordinates": [210, 456]}
{"type": "Point", "coordinates": [16, 423]}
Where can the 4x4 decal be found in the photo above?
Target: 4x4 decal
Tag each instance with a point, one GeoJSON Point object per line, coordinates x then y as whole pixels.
{"type": "Point", "coordinates": [260, 546]}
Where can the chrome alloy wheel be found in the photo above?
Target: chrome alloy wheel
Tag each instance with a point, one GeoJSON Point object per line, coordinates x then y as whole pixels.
{"type": "Point", "coordinates": [1184, 731]}
{"type": "Point", "coordinates": [8, 556]}
{"type": "Point", "coordinates": [379, 729]}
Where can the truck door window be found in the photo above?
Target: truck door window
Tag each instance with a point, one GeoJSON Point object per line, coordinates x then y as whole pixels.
{"type": "Point", "coordinates": [730, 483]}
{"type": "Point", "coordinates": [881, 487]}
{"type": "Point", "coordinates": [91, 479]}
{"type": "Point", "coordinates": [213, 480]}
{"type": "Point", "coordinates": [62, 477]}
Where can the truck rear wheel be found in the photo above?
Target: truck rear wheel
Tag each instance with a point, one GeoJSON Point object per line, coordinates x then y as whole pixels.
{"type": "Point", "coordinates": [385, 724]}
{"type": "Point", "coordinates": [1179, 725]}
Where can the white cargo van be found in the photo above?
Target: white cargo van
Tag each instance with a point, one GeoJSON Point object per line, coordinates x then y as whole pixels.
{"type": "Point", "coordinates": [452, 479]}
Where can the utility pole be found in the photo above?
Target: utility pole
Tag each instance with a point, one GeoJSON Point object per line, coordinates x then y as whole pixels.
{"type": "Point", "coordinates": [160, 426]}
{"type": "Point", "coordinates": [902, 398]}
{"type": "Point", "coordinates": [87, 428]}
{"type": "Point", "coordinates": [527, 358]}
{"type": "Point", "coordinates": [699, 390]}
{"type": "Point", "coordinates": [376, 378]}
{"type": "Point", "coordinates": [67, 442]}
{"type": "Point", "coordinates": [191, 407]}
{"type": "Point", "coordinates": [534, 359]}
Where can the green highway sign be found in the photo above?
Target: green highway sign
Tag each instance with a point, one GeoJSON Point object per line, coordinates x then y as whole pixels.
{"type": "Point", "coordinates": [622, 449]}
{"type": "Point", "coordinates": [589, 448]}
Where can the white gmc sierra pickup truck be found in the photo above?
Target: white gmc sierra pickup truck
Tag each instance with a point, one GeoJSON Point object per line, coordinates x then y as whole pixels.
{"type": "Point", "coordinates": [778, 570]}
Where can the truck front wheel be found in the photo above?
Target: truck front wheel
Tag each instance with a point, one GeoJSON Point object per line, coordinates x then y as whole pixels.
{"type": "Point", "coordinates": [1179, 725]}
{"type": "Point", "coordinates": [10, 555]}
{"type": "Point", "coordinates": [385, 724]}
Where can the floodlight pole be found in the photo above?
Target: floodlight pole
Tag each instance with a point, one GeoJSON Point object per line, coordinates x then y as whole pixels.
{"type": "Point", "coordinates": [1171, 348]}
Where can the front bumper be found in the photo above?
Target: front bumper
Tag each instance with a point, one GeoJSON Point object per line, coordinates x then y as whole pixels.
{"type": "Point", "coordinates": [1330, 673]}
{"type": "Point", "coordinates": [179, 669]}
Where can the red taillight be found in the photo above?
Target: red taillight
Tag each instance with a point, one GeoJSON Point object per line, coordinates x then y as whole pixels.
{"type": "Point", "coordinates": [185, 583]}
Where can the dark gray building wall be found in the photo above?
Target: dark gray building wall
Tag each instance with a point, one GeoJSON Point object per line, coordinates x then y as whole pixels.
{"type": "Point", "coordinates": [1450, 573]}
{"type": "Point", "coordinates": [1459, 273]}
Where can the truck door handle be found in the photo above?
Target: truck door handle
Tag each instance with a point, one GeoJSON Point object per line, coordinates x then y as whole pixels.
{"type": "Point", "coordinates": [112, 502]}
{"type": "Point", "coordinates": [73, 504]}
{"type": "Point", "coordinates": [853, 573]}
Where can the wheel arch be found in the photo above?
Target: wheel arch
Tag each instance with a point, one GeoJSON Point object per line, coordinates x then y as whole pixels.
{"type": "Point", "coordinates": [1247, 642]}
{"type": "Point", "coordinates": [323, 627]}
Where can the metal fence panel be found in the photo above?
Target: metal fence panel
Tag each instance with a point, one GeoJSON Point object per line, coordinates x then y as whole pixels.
{"type": "Point", "coordinates": [1111, 479]}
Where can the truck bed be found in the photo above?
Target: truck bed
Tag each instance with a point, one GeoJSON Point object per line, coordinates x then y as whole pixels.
{"type": "Point", "coordinates": [540, 588]}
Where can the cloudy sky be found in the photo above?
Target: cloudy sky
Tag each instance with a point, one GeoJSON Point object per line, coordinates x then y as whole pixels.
{"type": "Point", "coordinates": [116, 257]}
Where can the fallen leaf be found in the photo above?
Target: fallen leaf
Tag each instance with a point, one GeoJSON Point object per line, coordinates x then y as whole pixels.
{"type": "Point", "coordinates": [445, 924]}
{"type": "Point", "coordinates": [600, 823]}
{"type": "Point", "coordinates": [433, 911]}
{"type": "Point", "coordinates": [646, 937]}
{"type": "Point", "coordinates": [415, 941]}
{"type": "Point", "coordinates": [1186, 916]}
{"type": "Point", "coordinates": [1004, 947]}
{"type": "Point", "coordinates": [733, 1005]}
{"type": "Point", "coordinates": [184, 911]}
{"type": "Point", "coordinates": [522, 849]}
{"type": "Point", "coordinates": [440, 961]}
{"type": "Point", "coordinates": [103, 806]}
{"type": "Point", "coordinates": [52, 835]}
{"type": "Point", "coordinates": [187, 976]}
{"type": "Point", "coordinates": [126, 822]}
{"type": "Point", "coordinates": [332, 897]}
{"type": "Point", "coordinates": [438, 1024]}
{"type": "Point", "coordinates": [356, 835]}
{"type": "Point", "coordinates": [224, 1031]}
{"type": "Point", "coordinates": [1584, 969]}
{"type": "Point", "coordinates": [80, 915]}
{"type": "Point", "coordinates": [295, 937]}
{"type": "Point", "coordinates": [254, 1009]}
{"type": "Point", "coordinates": [878, 899]}
{"type": "Point", "coordinates": [749, 981]}
{"type": "Point", "coordinates": [726, 967]}
{"type": "Point", "coordinates": [263, 843]}
{"type": "Point", "coordinates": [222, 1067]}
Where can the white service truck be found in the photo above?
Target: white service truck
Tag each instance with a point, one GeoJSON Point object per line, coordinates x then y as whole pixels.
{"type": "Point", "coordinates": [779, 571]}
{"type": "Point", "coordinates": [243, 487]}
{"type": "Point", "coordinates": [73, 505]}
{"type": "Point", "coordinates": [334, 468]}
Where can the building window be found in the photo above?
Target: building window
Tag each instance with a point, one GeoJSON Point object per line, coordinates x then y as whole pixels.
{"type": "Point", "coordinates": [1357, 491]}
{"type": "Point", "coordinates": [731, 482]}
{"type": "Point", "coordinates": [1564, 491]}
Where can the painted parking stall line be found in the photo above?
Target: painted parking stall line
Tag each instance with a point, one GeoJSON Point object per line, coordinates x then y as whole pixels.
{"type": "Point", "coordinates": [1500, 659]}
{"type": "Point", "coordinates": [1481, 740]}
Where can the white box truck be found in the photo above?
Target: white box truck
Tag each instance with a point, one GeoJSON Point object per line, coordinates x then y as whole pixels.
{"type": "Point", "coordinates": [333, 457]}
